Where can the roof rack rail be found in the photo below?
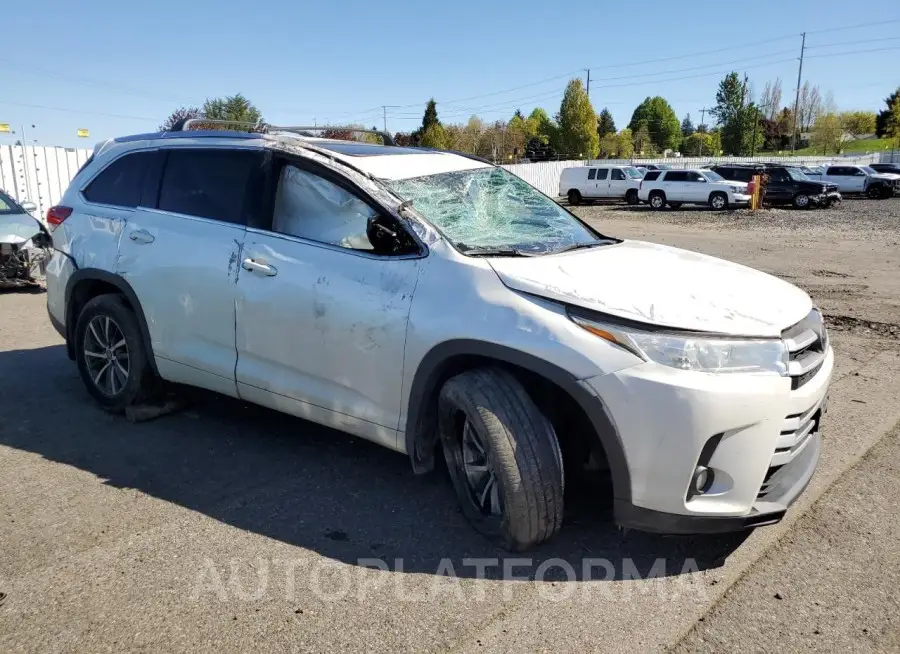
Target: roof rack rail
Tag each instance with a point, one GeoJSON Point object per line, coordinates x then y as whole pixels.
{"type": "Point", "coordinates": [187, 124]}
{"type": "Point", "coordinates": [265, 128]}
{"type": "Point", "coordinates": [386, 137]}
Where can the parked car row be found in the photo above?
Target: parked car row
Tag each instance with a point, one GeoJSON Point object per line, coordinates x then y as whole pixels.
{"type": "Point", "coordinates": [722, 186]}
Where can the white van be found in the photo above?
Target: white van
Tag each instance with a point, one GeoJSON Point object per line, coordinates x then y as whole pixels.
{"type": "Point", "coordinates": [600, 182]}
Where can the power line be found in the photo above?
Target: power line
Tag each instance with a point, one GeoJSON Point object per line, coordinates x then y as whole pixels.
{"type": "Point", "coordinates": [831, 45]}
{"type": "Point", "coordinates": [844, 28]}
{"type": "Point", "coordinates": [840, 54]}
{"type": "Point", "coordinates": [74, 111]}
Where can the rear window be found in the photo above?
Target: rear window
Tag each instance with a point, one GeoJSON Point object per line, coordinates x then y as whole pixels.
{"type": "Point", "coordinates": [676, 176]}
{"type": "Point", "coordinates": [121, 183]}
{"type": "Point", "coordinates": [209, 183]}
{"type": "Point", "coordinates": [651, 175]}
{"type": "Point", "coordinates": [592, 173]}
{"type": "Point", "coordinates": [602, 173]}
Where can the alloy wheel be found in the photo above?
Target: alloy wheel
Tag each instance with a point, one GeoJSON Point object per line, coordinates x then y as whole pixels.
{"type": "Point", "coordinates": [718, 202]}
{"type": "Point", "coordinates": [106, 355]}
{"type": "Point", "coordinates": [480, 477]}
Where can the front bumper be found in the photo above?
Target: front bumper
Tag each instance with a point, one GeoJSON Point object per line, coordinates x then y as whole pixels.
{"type": "Point", "coordinates": [740, 198]}
{"type": "Point", "coordinates": [760, 438]}
{"type": "Point", "coordinates": [826, 199]}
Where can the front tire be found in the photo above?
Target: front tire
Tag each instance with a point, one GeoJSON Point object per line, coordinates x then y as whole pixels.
{"type": "Point", "coordinates": [574, 197]}
{"type": "Point", "coordinates": [503, 457]}
{"type": "Point", "coordinates": [802, 201]}
{"type": "Point", "coordinates": [718, 201]}
{"type": "Point", "coordinates": [110, 354]}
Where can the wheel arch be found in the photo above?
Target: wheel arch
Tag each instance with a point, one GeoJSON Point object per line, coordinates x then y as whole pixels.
{"type": "Point", "coordinates": [86, 284]}
{"type": "Point", "coordinates": [453, 357]}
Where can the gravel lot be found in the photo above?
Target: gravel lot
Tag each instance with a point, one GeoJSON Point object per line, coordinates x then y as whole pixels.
{"type": "Point", "coordinates": [227, 527]}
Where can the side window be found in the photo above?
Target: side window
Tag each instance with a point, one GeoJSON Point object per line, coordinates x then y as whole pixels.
{"type": "Point", "coordinates": [592, 173]}
{"type": "Point", "coordinates": [209, 183]}
{"type": "Point", "coordinates": [840, 171]}
{"type": "Point", "coordinates": [602, 173]}
{"type": "Point", "coordinates": [310, 207]}
{"type": "Point", "coordinates": [694, 177]}
{"type": "Point", "coordinates": [675, 176]}
{"type": "Point", "coordinates": [651, 175]}
{"type": "Point", "coordinates": [617, 174]}
{"type": "Point", "coordinates": [778, 175]}
{"type": "Point", "coordinates": [122, 182]}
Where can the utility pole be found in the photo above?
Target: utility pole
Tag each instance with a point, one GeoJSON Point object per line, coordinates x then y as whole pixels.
{"type": "Point", "coordinates": [588, 70]}
{"type": "Point", "coordinates": [384, 109]}
{"type": "Point", "coordinates": [703, 111]}
{"type": "Point", "coordinates": [797, 97]}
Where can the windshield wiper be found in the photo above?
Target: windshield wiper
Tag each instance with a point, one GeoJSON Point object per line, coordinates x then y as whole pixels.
{"type": "Point", "coordinates": [494, 252]}
{"type": "Point", "coordinates": [581, 246]}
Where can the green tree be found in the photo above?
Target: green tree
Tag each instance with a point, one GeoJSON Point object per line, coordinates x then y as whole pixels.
{"type": "Point", "coordinates": [605, 124]}
{"type": "Point", "coordinates": [687, 126]}
{"type": "Point", "coordinates": [701, 144]}
{"type": "Point", "coordinates": [892, 120]}
{"type": "Point", "coordinates": [826, 134]}
{"type": "Point", "coordinates": [626, 144]}
{"type": "Point", "coordinates": [641, 140]}
{"type": "Point", "coordinates": [858, 123]}
{"type": "Point", "coordinates": [235, 108]}
{"type": "Point", "coordinates": [430, 118]}
{"type": "Point", "coordinates": [179, 115]}
{"type": "Point", "coordinates": [541, 126]}
{"type": "Point", "coordinates": [660, 121]}
{"type": "Point", "coordinates": [881, 123]}
{"type": "Point", "coordinates": [434, 136]}
{"type": "Point", "coordinates": [578, 122]}
{"type": "Point", "coordinates": [730, 113]}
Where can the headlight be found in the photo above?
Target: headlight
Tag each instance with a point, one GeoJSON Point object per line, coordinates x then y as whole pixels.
{"type": "Point", "coordinates": [697, 353]}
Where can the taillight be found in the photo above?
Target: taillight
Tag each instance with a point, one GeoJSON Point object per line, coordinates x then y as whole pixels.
{"type": "Point", "coordinates": [56, 215]}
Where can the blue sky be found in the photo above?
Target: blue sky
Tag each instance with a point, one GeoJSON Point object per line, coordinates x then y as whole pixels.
{"type": "Point", "coordinates": [117, 68]}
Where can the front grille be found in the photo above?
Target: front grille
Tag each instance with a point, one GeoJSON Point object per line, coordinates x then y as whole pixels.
{"type": "Point", "coordinates": [807, 342]}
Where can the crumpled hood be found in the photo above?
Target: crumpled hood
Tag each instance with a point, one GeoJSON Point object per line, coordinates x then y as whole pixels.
{"type": "Point", "coordinates": [661, 286]}
{"type": "Point", "coordinates": [18, 227]}
{"type": "Point", "coordinates": [889, 177]}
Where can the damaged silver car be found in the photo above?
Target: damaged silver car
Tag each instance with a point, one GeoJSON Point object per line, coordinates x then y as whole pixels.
{"type": "Point", "coordinates": [24, 245]}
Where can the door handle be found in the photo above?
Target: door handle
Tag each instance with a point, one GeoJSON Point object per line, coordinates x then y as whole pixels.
{"type": "Point", "coordinates": [141, 236]}
{"type": "Point", "coordinates": [256, 266]}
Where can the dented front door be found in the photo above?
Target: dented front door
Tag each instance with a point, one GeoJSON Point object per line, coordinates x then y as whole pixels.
{"type": "Point", "coordinates": [321, 331]}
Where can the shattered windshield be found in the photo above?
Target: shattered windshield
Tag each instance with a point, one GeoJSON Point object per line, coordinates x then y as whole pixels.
{"type": "Point", "coordinates": [491, 210]}
{"type": "Point", "coordinates": [797, 175]}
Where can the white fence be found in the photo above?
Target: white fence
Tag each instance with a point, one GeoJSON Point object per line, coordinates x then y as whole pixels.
{"type": "Point", "coordinates": [41, 174]}
{"type": "Point", "coordinates": [38, 173]}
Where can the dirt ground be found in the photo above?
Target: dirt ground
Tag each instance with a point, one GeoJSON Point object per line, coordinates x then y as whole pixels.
{"type": "Point", "coordinates": [227, 527]}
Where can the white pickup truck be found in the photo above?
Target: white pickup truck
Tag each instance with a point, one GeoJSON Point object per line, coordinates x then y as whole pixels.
{"type": "Point", "coordinates": [860, 179]}
{"type": "Point", "coordinates": [700, 186]}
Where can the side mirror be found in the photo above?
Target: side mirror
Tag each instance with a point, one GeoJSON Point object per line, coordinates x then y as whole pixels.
{"type": "Point", "coordinates": [29, 206]}
{"type": "Point", "coordinates": [386, 238]}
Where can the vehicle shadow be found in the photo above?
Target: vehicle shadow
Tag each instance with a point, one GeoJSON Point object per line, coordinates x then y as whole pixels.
{"type": "Point", "coordinates": [302, 484]}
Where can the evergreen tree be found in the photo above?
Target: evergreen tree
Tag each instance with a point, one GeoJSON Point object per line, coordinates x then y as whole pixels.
{"type": "Point", "coordinates": [687, 127]}
{"type": "Point", "coordinates": [605, 123]}
{"type": "Point", "coordinates": [578, 123]}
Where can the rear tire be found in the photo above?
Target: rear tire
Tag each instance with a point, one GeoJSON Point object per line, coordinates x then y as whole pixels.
{"type": "Point", "coordinates": [110, 354]}
{"type": "Point", "coordinates": [503, 457]}
{"type": "Point", "coordinates": [631, 197]}
{"type": "Point", "coordinates": [718, 201]}
{"type": "Point", "coordinates": [574, 197]}
{"type": "Point", "coordinates": [657, 200]}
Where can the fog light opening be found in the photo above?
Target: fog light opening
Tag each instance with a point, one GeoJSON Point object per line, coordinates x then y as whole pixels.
{"type": "Point", "coordinates": [703, 479]}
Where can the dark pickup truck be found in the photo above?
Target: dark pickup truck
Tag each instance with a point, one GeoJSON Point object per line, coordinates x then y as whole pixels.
{"type": "Point", "coordinates": [784, 184]}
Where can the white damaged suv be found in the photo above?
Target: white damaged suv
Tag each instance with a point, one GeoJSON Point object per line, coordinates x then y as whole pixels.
{"type": "Point", "coordinates": [440, 306]}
